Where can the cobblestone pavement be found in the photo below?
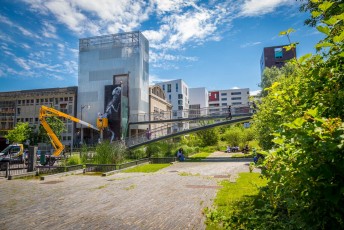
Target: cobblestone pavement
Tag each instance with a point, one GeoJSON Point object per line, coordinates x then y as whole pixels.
{"type": "Point", "coordinates": [172, 198]}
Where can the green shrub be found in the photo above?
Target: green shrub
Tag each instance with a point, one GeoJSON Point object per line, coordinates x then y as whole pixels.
{"type": "Point", "coordinates": [110, 153]}
{"type": "Point", "coordinates": [153, 150]}
{"type": "Point", "coordinates": [74, 160]}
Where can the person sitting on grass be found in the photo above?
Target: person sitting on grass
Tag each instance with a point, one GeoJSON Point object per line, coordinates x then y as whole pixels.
{"type": "Point", "coordinates": [180, 155]}
{"type": "Point", "coordinates": [228, 149]}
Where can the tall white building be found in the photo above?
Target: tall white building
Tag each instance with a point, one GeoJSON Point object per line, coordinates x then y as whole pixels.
{"type": "Point", "coordinates": [198, 101]}
{"type": "Point", "coordinates": [109, 61]}
{"type": "Point", "coordinates": [237, 98]}
{"type": "Point", "coordinates": [177, 94]}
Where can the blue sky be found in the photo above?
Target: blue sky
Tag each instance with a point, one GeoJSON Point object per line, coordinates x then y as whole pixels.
{"type": "Point", "coordinates": [215, 44]}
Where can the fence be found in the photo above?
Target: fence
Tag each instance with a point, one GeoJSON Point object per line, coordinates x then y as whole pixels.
{"type": "Point", "coordinates": [7, 169]}
{"type": "Point", "coordinates": [57, 169]}
{"type": "Point", "coordinates": [112, 167]}
{"type": "Point", "coordinates": [163, 160]}
{"type": "Point", "coordinates": [11, 169]}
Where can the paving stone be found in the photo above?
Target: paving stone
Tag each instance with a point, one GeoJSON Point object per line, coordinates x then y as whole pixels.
{"type": "Point", "coordinates": [172, 198]}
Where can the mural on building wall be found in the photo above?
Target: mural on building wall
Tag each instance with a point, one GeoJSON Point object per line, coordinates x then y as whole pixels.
{"type": "Point", "coordinates": [113, 112]}
{"type": "Point", "coordinates": [123, 81]}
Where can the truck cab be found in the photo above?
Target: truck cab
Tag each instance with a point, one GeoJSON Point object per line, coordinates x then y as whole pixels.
{"type": "Point", "coordinates": [13, 153]}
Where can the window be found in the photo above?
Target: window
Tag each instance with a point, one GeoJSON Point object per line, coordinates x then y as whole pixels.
{"type": "Point", "coordinates": [163, 87]}
{"type": "Point", "coordinates": [224, 99]}
{"type": "Point", "coordinates": [180, 96]}
{"type": "Point", "coordinates": [69, 138]}
{"type": "Point", "coordinates": [236, 103]}
{"type": "Point", "coordinates": [174, 113]}
{"type": "Point", "coordinates": [31, 120]}
{"type": "Point", "coordinates": [169, 88]}
{"type": "Point", "coordinates": [51, 99]}
{"type": "Point", "coordinates": [224, 104]}
{"type": "Point", "coordinates": [236, 93]}
{"type": "Point", "coordinates": [180, 107]}
{"type": "Point", "coordinates": [19, 102]}
{"type": "Point", "coordinates": [18, 111]}
{"type": "Point", "coordinates": [176, 87]}
{"type": "Point", "coordinates": [278, 53]}
{"type": "Point", "coordinates": [37, 101]}
{"type": "Point", "coordinates": [169, 97]}
{"type": "Point", "coordinates": [236, 98]}
{"type": "Point", "coordinates": [180, 102]}
{"type": "Point", "coordinates": [223, 94]}
{"type": "Point", "coordinates": [70, 98]}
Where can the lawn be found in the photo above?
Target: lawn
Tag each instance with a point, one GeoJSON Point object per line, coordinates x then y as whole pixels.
{"type": "Point", "coordinates": [227, 198]}
{"type": "Point", "coordinates": [198, 156]}
{"type": "Point", "coordinates": [147, 168]}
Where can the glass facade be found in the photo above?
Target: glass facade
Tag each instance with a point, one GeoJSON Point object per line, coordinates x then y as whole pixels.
{"type": "Point", "coordinates": [104, 57]}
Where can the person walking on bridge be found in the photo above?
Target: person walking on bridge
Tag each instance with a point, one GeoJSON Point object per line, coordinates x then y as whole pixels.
{"type": "Point", "coordinates": [229, 113]}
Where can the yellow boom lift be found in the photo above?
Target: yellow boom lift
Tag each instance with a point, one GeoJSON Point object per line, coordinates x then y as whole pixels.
{"type": "Point", "coordinates": [49, 112]}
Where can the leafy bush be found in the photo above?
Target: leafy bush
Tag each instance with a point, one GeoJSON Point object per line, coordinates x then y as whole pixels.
{"type": "Point", "coordinates": [301, 122]}
{"type": "Point", "coordinates": [137, 153]}
{"type": "Point", "coordinates": [74, 160]}
{"type": "Point", "coordinates": [110, 153]}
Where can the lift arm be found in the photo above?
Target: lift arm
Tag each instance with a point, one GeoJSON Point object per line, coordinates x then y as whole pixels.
{"type": "Point", "coordinates": [49, 112]}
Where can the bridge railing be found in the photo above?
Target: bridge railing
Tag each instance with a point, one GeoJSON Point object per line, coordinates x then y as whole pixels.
{"type": "Point", "coordinates": [189, 113]}
{"type": "Point", "coordinates": [170, 129]}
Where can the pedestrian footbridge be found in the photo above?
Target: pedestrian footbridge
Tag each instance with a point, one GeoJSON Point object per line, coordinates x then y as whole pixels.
{"type": "Point", "coordinates": [176, 123]}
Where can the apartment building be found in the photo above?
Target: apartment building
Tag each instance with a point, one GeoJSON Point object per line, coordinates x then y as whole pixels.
{"type": "Point", "coordinates": [108, 64]}
{"type": "Point", "coordinates": [23, 106]}
{"type": "Point", "coordinates": [159, 109]}
{"type": "Point", "coordinates": [276, 56]}
{"type": "Point", "coordinates": [219, 100]}
{"type": "Point", "coordinates": [198, 101]}
{"type": "Point", "coordinates": [177, 93]}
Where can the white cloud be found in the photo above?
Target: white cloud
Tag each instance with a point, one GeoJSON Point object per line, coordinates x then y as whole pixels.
{"type": "Point", "coordinates": [248, 44]}
{"type": "Point", "coordinates": [255, 92]}
{"type": "Point", "coordinates": [153, 79]}
{"type": "Point", "coordinates": [25, 46]}
{"type": "Point", "coordinates": [24, 31]}
{"type": "Point", "coordinates": [49, 30]}
{"type": "Point", "coordinates": [22, 63]}
{"type": "Point", "coordinates": [261, 7]}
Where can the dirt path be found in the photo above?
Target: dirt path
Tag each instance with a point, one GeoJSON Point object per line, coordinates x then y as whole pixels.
{"type": "Point", "coordinates": [172, 198]}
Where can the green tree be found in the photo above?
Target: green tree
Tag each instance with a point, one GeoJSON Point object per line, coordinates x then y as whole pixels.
{"type": "Point", "coordinates": [271, 75]}
{"type": "Point", "coordinates": [208, 137]}
{"type": "Point", "coordinates": [20, 133]}
{"type": "Point", "coordinates": [302, 120]}
{"type": "Point", "coordinates": [234, 136]}
{"type": "Point", "coordinates": [331, 8]}
{"type": "Point", "coordinates": [56, 124]}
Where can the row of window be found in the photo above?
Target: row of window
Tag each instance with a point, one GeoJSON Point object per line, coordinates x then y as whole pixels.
{"type": "Point", "coordinates": [44, 100]}
{"type": "Point", "coordinates": [169, 88]}
{"type": "Point", "coordinates": [233, 98]}
{"type": "Point", "coordinates": [224, 104]}
{"type": "Point", "coordinates": [232, 93]}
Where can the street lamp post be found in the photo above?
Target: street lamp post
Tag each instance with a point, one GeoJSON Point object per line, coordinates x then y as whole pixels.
{"type": "Point", "coordinates": [82, 129]}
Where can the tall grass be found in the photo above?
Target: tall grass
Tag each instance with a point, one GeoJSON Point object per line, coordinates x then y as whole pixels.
{"type": "Point", "coordinates": [110, 153]}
